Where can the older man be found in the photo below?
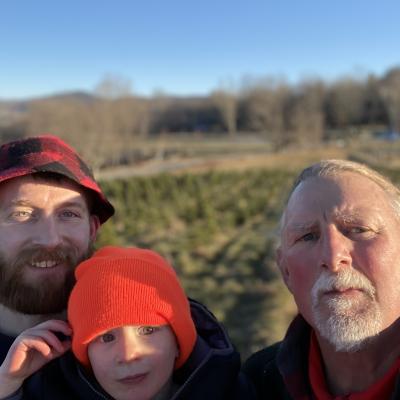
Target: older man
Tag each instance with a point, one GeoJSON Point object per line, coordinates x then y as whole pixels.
{"type": "Point", "coordinates": [50, 210]}
{"type": "Point", "coordinates": [340, 258]}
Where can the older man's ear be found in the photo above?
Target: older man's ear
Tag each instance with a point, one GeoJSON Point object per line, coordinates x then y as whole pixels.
{"type": "Point", "coordinates": [280, 260]}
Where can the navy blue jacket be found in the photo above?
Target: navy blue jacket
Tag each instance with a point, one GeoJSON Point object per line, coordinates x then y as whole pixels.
{"type": "Point", "coordinates": [5, 344]}
{"type": "Point", "coordinates": [212, 371]}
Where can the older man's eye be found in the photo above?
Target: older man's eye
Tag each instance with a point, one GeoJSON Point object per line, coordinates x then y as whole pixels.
{"type": "Point", "coordinates": [357, 229]}
{"type": "Point", "coordinates": [363, 232]}
{"type": "Point", "coordinates": [363, 229]}
{"type": "Point", "coordinates": [146, 330]}
{"type": "Point", "coordinates": [307, 237]}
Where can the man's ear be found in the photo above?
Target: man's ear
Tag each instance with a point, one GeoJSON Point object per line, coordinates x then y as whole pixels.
{"type": "Point", "coordinates": [94, 226]}
{"type": "Point", "coordinates": [280, 260]}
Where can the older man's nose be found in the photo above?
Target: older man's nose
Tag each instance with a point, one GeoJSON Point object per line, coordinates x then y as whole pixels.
{"type": "Point", "coordinates": [335, 253]}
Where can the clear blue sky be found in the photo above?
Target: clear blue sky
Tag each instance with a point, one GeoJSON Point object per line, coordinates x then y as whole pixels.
{"type": "Point", "coordinates": [192, 46]}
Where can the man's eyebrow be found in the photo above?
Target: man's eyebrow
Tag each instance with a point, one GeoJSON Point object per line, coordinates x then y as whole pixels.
{"type": "Point", "coordinates": [73, 203]}
{"type": "Point", "coordinates": [77, 204]}
{"type": "Point", "coordinates": [351, 216]}
{"type": "Point", "coordinates": [69, 203]}
{"type": "Point", "coordinates": [300, 226]}
{"type": "Point", "coordinates": [345, 217]}
{"type": "Point", "coordinates": [21, 202]}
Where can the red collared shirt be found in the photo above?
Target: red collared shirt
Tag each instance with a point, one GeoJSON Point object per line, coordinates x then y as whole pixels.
{"type": "Point", "coordinates": [381, 389]}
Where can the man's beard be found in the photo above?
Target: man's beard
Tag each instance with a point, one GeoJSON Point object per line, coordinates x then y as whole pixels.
{"type": "Point", "coordinates": [347, 323]}
{"type": "Point", "coordinates": [47, 296]}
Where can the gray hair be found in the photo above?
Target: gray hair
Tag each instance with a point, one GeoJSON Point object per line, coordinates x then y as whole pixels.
{"type": "Point", "coordinates": [332, 168]}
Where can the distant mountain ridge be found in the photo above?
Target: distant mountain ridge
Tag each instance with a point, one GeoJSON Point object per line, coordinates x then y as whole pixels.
{"type": "Point", "coordinates": [12, 111]}
{"type": "Point", "coordinates": [22, 104]}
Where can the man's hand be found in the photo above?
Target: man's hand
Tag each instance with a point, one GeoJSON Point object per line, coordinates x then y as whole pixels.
{"type": "Point", "coordinates": [31, 350]}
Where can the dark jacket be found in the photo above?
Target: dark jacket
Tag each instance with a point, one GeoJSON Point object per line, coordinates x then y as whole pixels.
{"type": "Point", "coordinates": [280, 372]}
{"type": "Point", "coordinates": [212, 371]}
{"type": "Point", "coordinates": [5, 344]}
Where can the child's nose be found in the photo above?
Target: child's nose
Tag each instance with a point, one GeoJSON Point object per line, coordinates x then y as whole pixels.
{"type": "Point", "coordinates": [129, 350]}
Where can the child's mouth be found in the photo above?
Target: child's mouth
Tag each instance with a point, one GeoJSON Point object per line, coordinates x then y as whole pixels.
{"type": "Point", "coordinates": [133, 379]}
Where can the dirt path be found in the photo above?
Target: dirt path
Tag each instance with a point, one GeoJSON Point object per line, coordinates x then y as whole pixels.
{"type": "Point", "coordinates": [292, 159]}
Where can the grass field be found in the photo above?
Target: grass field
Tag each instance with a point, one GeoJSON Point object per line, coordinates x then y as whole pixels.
{"type": "Point", "coordinates": [214, 216]}
{"type": "Point", "coordinates": [183, 155]}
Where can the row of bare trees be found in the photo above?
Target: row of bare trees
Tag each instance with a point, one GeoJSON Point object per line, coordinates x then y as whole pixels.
{"type": "Point", "coordinates": [308, 112]}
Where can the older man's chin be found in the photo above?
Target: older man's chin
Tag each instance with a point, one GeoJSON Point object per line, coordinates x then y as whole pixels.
{"type": "Point", "coordinates": [349, 332]}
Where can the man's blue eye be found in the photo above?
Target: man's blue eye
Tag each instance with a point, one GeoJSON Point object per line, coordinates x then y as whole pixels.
{"type": "Point", "coordinates": [69, 214]}
{"type": "Point", "coordinates": [21, 214]}
{"type": "Point", "coordinates": [308, 237]}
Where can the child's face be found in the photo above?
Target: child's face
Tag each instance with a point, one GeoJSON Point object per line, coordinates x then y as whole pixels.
{"type": "Point", "coordinates": [133, 362]}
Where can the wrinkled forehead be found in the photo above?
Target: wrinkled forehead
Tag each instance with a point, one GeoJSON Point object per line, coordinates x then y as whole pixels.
{"type": "Point", "coordinates": [347, 193]}
{"type": "Point", "coordinates": [314, 192]}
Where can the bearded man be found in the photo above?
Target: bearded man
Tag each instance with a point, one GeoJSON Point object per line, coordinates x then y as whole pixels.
{"type": "Point", "coordinates": [338, 255]}
{"type": "Point", "coordinates": [50, 210]}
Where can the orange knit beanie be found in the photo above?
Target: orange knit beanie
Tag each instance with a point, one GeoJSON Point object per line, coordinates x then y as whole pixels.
{"type": "Point", "coordinates": [127, 286]}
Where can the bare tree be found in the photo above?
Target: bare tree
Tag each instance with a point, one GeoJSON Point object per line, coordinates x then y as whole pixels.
{"type": "Point", "coordinates": [374, 109]}
{"type": "Point", "coordinates": [226, 104]}
{"type": "Point", "coordinates": [390, 91]}
{"type": "Point", "coordinates": [344, 103]}
{"type": "Point", "coordinates": [264, 106]}
{"type": "Point", "coordinates": [113, 87]}
{"type": "Point", "coordinates": [101, 129]}
{"type": "Point", "coordinates": [305, 116]}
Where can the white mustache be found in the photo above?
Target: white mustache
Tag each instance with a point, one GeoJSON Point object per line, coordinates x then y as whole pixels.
{"type": "Point", "coordinates": [347, 278]}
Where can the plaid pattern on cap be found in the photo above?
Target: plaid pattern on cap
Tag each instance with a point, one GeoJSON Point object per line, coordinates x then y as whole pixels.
{"type": "Point", "coordinates": [49, 153]}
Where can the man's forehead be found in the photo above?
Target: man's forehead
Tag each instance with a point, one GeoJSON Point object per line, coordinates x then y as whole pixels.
{"type": "Point", "coordinates": [309, 195]}
{"type": "Point", "coordinates": [346, 196]}
{"type": "Point", "coordinates": [50, 179]}
{"type": "Point", "coordinates": [24, 185]}
{"type": "Point", "coordinates": [304, 221]}
{"type": "Point", "coordinates": [347, 184]}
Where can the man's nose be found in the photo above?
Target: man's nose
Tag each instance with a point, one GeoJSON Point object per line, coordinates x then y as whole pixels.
{"type": "Point", "coordinates": [335, 251]}
{"type": "Point", "coordinates": [48, 233]}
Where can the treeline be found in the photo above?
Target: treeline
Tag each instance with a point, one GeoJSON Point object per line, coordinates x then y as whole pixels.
{"type": "Point", "coordinates": [309, 112]}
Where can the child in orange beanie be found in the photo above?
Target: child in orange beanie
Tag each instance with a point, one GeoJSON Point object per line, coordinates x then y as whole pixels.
{"type": "Point", "coordinates": [127, 305]}
{"type": "Point", "coordinates": [134, 338]}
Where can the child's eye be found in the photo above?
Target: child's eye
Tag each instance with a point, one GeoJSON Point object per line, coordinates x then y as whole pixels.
{"type": "Point", "coordinates": [107, 337]}
{"type": "Point", "coordinates": [146, 330]}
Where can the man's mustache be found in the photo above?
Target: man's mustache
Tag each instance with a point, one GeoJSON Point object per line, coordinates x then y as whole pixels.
{"type": "Point", "coordinates": [64, 254]}
{"type": "Point", "coordinates": [347, 278]}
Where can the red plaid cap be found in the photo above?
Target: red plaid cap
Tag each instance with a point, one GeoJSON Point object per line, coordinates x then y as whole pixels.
{"type": "Point", "coordinates": [49, 153]}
